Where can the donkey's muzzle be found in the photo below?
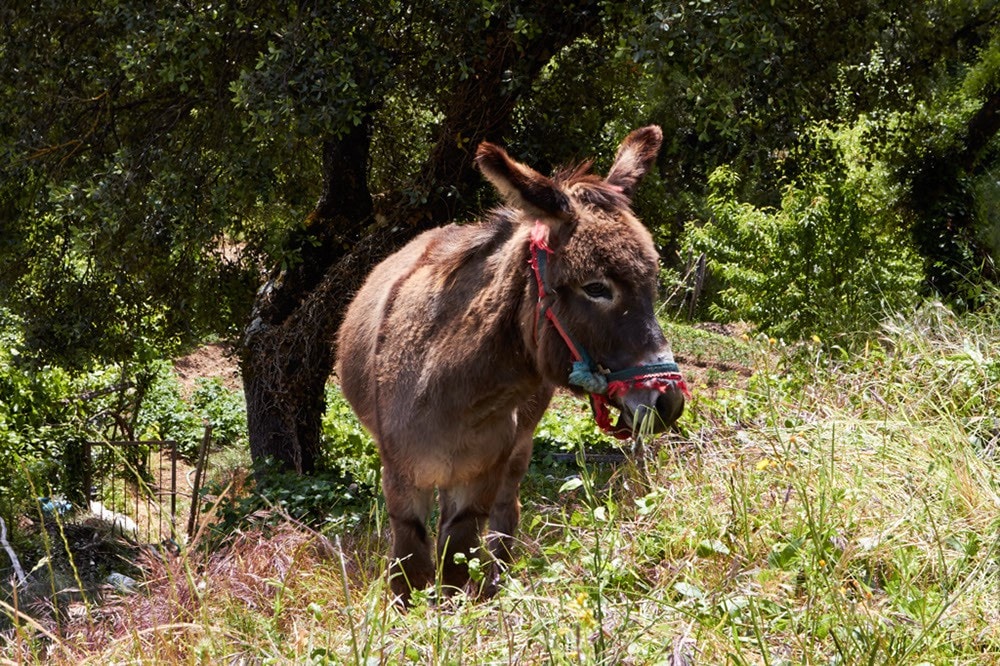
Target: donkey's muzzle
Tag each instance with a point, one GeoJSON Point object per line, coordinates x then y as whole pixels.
{"type": "Point", "coordinates": [669, 407]}
{"type": "Point", "coordinates": [645, 412]}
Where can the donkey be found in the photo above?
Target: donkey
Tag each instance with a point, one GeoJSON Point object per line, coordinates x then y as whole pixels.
{"type": "Point", "coordinates": [451, 350]}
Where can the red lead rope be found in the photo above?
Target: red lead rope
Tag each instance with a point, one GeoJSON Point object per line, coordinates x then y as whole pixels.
{"type": "Point", "coordinates": [538, 251]}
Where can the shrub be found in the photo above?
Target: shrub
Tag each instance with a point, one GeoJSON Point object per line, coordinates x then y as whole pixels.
{"type": "Point", "coordinates": [224, 408]}
{"type": "Point", "coordinates": [347, 446]}
{"type": "Point", "coordinates": [40, 410]}
{"type": "Point", "coordinates": [834, 256]}
{"type": "Point", "coordinates": [337, 496]}
{"type": "Point", "coordinates": [324, 499]}
{"type": "Point", "coordinates": [167, 415]}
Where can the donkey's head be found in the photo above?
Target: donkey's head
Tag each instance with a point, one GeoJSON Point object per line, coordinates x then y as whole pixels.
{"type": "Point", "coordinates": [594, 329]}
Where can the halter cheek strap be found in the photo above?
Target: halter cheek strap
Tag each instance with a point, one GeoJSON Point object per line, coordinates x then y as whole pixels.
{"type": "Point", "coordinates": [586, 374]}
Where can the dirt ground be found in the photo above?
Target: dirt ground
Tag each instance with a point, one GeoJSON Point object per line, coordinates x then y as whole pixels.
{"type": "Point", "coordinates": [216, 359]}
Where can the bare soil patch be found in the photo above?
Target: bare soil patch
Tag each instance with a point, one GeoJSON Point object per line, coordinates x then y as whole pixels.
{"type": "Point", "coordinates": [213, 360]}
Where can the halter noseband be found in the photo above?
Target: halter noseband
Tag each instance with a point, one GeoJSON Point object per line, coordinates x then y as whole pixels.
{"type": "Point", "coordinates": [599, 382]}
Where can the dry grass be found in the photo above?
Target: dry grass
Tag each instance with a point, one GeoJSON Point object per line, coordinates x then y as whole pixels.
{"type": "Point", "coordinates": [190, 603]}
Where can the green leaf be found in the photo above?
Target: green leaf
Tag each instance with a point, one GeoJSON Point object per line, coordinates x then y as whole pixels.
{"type": "Point", "coordinates": [710, 547]}
{"type": "Point", "coordinates": [571, 484]}
{"type": "Point", "coordinates": [688, 590]}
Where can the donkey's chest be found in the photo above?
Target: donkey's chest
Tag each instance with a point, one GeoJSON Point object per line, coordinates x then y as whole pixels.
{"type": "Point", "coordinates": [458, 455]}
{"type": "Point", "coordinates": [458, 431]}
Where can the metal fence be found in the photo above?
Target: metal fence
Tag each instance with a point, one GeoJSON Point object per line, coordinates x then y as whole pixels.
{"type": "Point", "coordinates": [144, 489]}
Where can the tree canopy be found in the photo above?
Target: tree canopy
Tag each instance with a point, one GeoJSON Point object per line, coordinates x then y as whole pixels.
{"type": "Point", "coordinates": [162, 161]}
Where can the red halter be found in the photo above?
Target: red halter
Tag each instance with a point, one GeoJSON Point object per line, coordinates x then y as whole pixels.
{"type": "Point", "coordinates": [592, 378]}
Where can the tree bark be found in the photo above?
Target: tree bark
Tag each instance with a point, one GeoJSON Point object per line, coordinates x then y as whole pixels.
{"type": "Point", "coordinates": [287, 350]}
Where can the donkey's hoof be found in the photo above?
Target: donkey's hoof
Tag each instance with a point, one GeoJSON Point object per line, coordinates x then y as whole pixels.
{"type": "Point", "coordinates": [489, 586]}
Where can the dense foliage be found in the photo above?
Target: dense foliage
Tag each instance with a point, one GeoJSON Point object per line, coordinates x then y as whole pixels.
{"type": "Point", "coordinates": [154, 157]}
{"type": "Point", "coordinates": [832, 258]}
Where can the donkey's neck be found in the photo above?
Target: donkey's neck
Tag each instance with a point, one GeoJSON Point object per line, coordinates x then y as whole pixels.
{"type": "Point", "coordinates": [491, 321]}
{"type": "Point", "coordinates": [507, 296]}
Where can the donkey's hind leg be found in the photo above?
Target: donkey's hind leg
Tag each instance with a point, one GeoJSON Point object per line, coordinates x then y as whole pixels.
{"type": "Point", "coordinates": [409, 507]}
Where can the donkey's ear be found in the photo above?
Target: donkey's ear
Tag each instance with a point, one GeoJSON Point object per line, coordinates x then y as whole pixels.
{"type": "Point", "coordinates": [518, 184]}
{"type": "Point", "coordinates": [636, 154]}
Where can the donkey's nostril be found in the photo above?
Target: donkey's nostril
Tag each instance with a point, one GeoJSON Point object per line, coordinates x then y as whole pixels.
{"type": "Point", "coordinates": [669, 406]}
{"type": "Point", "coordinates": [651, 412]}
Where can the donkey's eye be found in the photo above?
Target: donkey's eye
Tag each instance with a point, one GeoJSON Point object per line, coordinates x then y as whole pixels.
{"type": "Point", "coordinates": [598, 290]}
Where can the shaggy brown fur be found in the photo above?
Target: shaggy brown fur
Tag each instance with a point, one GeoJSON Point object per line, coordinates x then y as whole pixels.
{"type": "Point", "coordinates": [440, 357]}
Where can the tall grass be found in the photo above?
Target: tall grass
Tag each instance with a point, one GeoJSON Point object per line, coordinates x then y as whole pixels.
{"type": "Point", "coordinates": [835, 508]}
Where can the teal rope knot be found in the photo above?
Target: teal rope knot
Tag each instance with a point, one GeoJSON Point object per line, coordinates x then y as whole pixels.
{"type": "Point", "coordinates": [587, 379]}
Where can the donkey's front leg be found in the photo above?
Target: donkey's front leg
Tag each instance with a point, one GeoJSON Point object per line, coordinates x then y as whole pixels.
{"type": "Point", "coordinates": [464, 511]}
{"type": "Point", "coordinates": [506, 512]}
{"type": "Point", "coordinates": [411, 567]}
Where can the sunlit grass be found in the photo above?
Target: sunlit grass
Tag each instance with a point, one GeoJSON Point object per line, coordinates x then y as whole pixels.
{"type": "Point", "coordinates": [833, 508]}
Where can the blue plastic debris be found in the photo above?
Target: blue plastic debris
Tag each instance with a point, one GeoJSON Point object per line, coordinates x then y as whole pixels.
{"type": "Point", "coordinates": [54, 505]}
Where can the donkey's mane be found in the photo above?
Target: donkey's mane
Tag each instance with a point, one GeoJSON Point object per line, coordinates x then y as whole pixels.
{"type": "Point", "coordinates": [452, 251]}
{"type": "Point", "coordinates": [590, 188]}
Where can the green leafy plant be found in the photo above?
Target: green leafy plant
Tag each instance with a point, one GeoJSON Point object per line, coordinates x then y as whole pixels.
{"type": "Point", "coordinates": [168, 415]}
{"type": "Point", "coordinates": [567, 425]}
{"type": "Point", "coordinates": [337, 497]}
{"type": "Point", "coordinates": [347, 446]}
{"type": "Point", "coordinates": [832, 258]}
{"type": "Point", "coordinates": [224, 409]}
{"type": "Point", "coordinates": [327, 499]}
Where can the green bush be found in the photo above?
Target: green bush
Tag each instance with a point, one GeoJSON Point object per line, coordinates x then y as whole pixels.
{"type": "Point", "coordinates": [833, 258]}
{"type": "Point", "coordinates": [167, 415]}
{"type": "Point", "coordinates": [568, 424]}
{"type": "Point", "coordinates": [338, 496]}
{"type": "Point", "coordinates": [225, 409]}
{"type": "Point", "coordinates": [39, 411]}
{"type": "Point", "coordinates": [324, 499]}
{"type": "Point", "coordinates": [347, 447]}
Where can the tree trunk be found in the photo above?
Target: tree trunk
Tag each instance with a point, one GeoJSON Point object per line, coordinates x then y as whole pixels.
{"type": "Point", "coordinates": [287, 350]}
